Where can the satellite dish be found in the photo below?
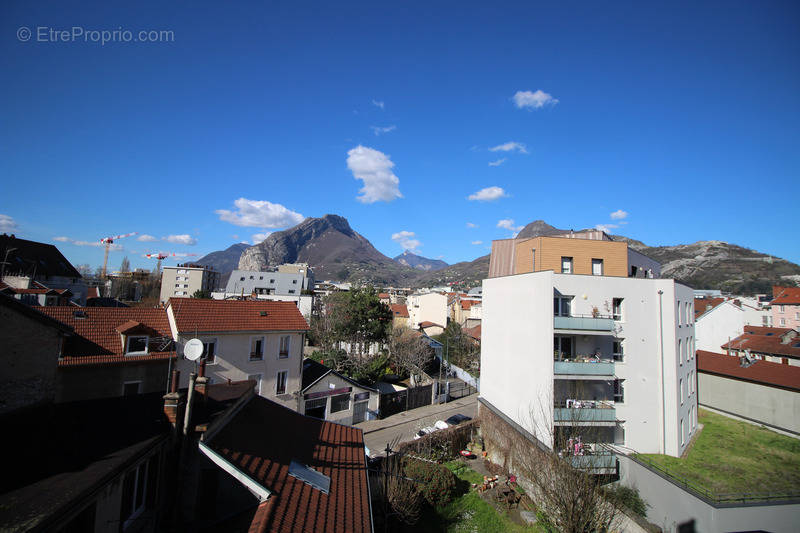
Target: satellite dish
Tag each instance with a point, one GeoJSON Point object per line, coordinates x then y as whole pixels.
{"type": "Point", "coordinates": [193, 349]}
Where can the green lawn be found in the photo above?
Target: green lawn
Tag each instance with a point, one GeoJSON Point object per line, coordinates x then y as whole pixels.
{"type": "Point", "coordinates": [730, 456]}
{"type": "Point", "coordinates": [468, 512]}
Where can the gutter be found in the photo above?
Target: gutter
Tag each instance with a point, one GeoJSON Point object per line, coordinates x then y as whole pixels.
{"type": "Point", "coordinates": [251, 484]}
{"type": "Point", "coordinates": [661, 360]}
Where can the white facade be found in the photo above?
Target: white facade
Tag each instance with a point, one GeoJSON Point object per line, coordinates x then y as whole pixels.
{"type": "Point", "coordinates": [430, 307]}
{"type": "Point", "coordinates": [755, 313]}
{"type": "Point", "coordinates": [183, 281]}
{"type": "Point", "coordinates": [719, 325]}
{"type": "Point", "coordinates": [304, 301]}
{"type": "Point", "coordinates": [648, 388]}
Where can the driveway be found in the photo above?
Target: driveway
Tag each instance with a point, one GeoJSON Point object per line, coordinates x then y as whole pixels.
{"type": "Point", "coordinates": [377, 433]}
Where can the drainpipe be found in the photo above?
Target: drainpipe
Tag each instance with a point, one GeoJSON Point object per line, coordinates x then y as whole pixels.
{"type": "Point", "coordinates": [187, 419]}
{"type": "Point", "coordinates": [661, 360]}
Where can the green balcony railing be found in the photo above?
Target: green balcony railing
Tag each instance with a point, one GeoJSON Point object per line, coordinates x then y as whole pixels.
{"type": "Point", "coordinates": [603, 368]}
{"type": "Point", "coordinates": [586, 323]}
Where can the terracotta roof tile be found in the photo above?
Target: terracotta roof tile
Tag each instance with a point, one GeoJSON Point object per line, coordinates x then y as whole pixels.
{"type": "Point", "coordinates": [334, 450]}
{"type": "Point", "coordinates": [466, 304]}
{"type": "Point", "coordinates": [428, 324]}
{"type": "Point", "coordinates": [764, 372]}
{"type": "Point", "coordinates": [399, 310]}
{"type": "Point", "coordinates": [474, 332]}
{"type": "Point", "coordinates": [766, 340]}
{"type": "Point", "coordinates": [785, 296]}
{"type": "Point", "coordinates": [236, 315]}
{"type": "Point", "coordinates": [701, 305]}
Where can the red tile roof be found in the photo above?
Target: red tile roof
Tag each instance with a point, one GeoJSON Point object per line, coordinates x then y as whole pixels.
{"type": "Point", "coordinates": [383, 295]}
{"type": "Point", "coordinates": [264, 454]}
{"type": "Point", "coordinates": [466, 304]}
{"type": "Point", "coordinates": [236, 315]}
{"type": "Point", "coordinates": [92, 293]}
{"type": "Point", "coordinates": [763, 372]}
{"type": "Point", "coordinates": [785, 296]}
{"type": "Point", "coordinates": [701, 305]}
{"type": "Point", "coordinates": [428, 324]}
{"type": "Point", "coordinates": [399, 310]}
{"type": "Point", "coordinates": [97, 340]}
{"type": "Point", "coordinates": [474, 332]}
{"type": "Point", "coordinates": [766, 340]}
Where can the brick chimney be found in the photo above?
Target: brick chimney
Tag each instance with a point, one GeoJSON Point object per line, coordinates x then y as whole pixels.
{"type": "Point", "coordinates": [201, 384]}
{"type": "Point", "coordinates": [174, 402]}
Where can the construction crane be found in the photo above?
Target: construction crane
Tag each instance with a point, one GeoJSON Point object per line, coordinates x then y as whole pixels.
{"type": "Point", "coordinates": [108, 241]}
{"type": "Point", "coordinates": [164, 255]}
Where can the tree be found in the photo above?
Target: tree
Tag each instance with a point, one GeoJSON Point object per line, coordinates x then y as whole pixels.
{"type": "Point", "coordinates": [84, 270]}
{"type": "Point", "coordinates": [201, 294]}
{"type": "Point", "coordinates": [410, 351]}
{"type": "Point", "coordinates": [362, 319]}
{"type": "Point", "coordinates": [126, 265]}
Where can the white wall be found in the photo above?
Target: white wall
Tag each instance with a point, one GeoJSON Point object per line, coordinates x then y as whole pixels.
{"type": "Point", "coordinates": [721, 324]}
{"type": "Point", "coordinates": [427, 307]}
{"type": "Point", "coordinates": [517, 350]}
{"type": "Point", "coordinates": [304, 301]}
{"type": "Point", "coordinates": [643, 263]}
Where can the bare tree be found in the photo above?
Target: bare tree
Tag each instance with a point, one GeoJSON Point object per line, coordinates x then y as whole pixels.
{"type": "Point", "coordinates": [410, 351]}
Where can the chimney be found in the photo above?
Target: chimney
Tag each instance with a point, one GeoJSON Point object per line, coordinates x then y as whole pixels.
{"type": "Point", "coordinates": [188, 417]}
{"type": "Point", "coordinates": [201, 384]}
{"type": "Point", "coordinates": [174, 402]}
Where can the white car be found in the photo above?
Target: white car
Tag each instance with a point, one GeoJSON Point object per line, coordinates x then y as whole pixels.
{"type": "Point", "coordinates": [440, 424]}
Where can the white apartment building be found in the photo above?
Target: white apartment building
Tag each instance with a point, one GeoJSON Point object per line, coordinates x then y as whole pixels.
{"type": "Point", "coordinates": [184, 280]}
{"type": "Point", "coordinates": [607, 359]}
{"type": "Point", "coordinates": [428, 307]}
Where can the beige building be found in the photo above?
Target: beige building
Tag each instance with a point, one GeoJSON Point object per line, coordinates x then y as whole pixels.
{"type": "Point", "coordinates": [590, 252]}
{"type": "Point", "coordinates": [184, 280]}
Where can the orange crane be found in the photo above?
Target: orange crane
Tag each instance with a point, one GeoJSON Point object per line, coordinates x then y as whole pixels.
{"type": "Point", "coordinates": [108, 241]}
{"type": "Point", "coordinates": [164, 255]}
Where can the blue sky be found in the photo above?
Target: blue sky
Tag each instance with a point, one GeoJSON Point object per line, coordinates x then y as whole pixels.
{"type": "Point", "coordinates": [682, 120]}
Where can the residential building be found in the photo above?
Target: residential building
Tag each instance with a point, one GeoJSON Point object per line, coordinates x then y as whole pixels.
{"type": "Point", "coordinates": [590, 252]}
{"type": "Point", "coordinates": [427, 307]}
{"type": "Point", "coordinates": [32, 343]}
{"type": "Point", "coordinates": [37, 294]}
{"type": "Point", "coordinates": [777, 345]}
{"type": "Point", "coordinates": [717, 321]}
{"type": "Point", "coordinates": [113, 351]}
{"type": "Point", "coordinates": [260, 341]}
{"type": "Point", "coordinates": [182, 281]}
{"type": "Point", "coordinates": [786, 307]}
{"type": "Point", "coordinates": [601, 359]}
{"type": "Point", "coordinates": [758, 391]}
{"type": "Point", "coordinates": [328, 395]}
{"type": "Point", "coordinates": [399, 315]}
{"type": "Point", "coordinates": [281, 282]}
{"type": "Point", "coordinates": [23, 262]}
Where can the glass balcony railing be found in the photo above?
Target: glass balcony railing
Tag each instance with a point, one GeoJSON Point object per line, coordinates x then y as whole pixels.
{"type": "Point", "coordinates": [584, 412]}
{"type": "Point", "coordinates": [576, 368]}
{"type": "Point", "coordinates": [605, 461]}
{"type": "Point", "coordinates": [586, 323]}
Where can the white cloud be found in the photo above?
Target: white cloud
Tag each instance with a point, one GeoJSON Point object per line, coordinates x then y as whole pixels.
{"type": "Point", "coordinates": [374, 168]}
{"type": "Point", "coordinates": [383, 129]}
{"type": "Point", "coordinates": [260, 214]}
{"type": "Point", "coordinates": [606, 227]}
{"type": "Point", "coordinates": [259, 237]}
{"type": "Point", "coordinates": [377, 103]}
{"type": "Point", "coordinates": [471, 225]}
{"type": "Point", "coordinates": [497, 163]}
{"type": "Point", "coordinates": [181, 239]}
{"type": "Point", "coordinates": [510, 146]}
{"type": "Point", "coordinates": [7, 223]}
{"type": "Point", "coordinates": [508, 223]}
{"type": "Point", "coordinates": [406, 240]}
{"type": "Point", "coordinates": [61, 239]}
{"type": "Point", "coordinates": [477, 242]}
{"type": "Point", "coordinates": [488, 194]}
{"type": "Point", "coordinates": [619, 214]}
{"type": "Point", "coordinates": [536, 100]}
{"type": "Point", "coordinates": [146, 238]}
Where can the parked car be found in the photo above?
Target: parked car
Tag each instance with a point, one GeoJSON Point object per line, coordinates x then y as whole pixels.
{"type": "Point", "coordinates": [440, 424]}
{"type": "Point", "coordinates": [457, 419]}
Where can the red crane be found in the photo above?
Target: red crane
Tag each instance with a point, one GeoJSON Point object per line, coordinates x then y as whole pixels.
{"type": "Point", "coordinates": [164, 255]}
{"type": "Point", "coordinates": [108, 241]}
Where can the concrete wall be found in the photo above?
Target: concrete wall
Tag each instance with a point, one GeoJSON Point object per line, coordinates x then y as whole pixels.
{"type": "Point", "coordinates": [87, 382]}
{"type": "Point", "coordinates": [332, 382]}
{"type": "Point", "coordinates": [771, 406]}
{"type": "Point", "coordinates": [718, 326]}
{"type": "Point", "coordinates": [517, 350]}
{"type": "Point", "coordinates": [233, 362]}
{"type": "Point", "coordinates": [670, 505]}
{"type": "Point", "coordinates": [28, 356]}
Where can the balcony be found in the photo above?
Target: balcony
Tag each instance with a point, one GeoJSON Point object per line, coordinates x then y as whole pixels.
{"type": "Point", "coordinates": [600, 463]}
{"type": "Point", "coordinates": [588, 323]}
{"type": "Point", "coordinates": [585, 413]}
{"type": "Point", "coordinates": [602, 367]}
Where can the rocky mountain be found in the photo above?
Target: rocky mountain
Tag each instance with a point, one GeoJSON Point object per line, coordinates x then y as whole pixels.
{"type": "Point", "coordinates": [539, 228]}
{"type": "Point", "coordinates": [224, 261]}
{"type": "Point", "coordinates": [332, 249]}
{"type": "Point", "coordinates": [418, 262]}
{"type": "Point", "coordinates": [467, 273]}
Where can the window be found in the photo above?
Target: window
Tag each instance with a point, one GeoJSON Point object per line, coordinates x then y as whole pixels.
{"type": "Point", "coordinates": [616, 308]}
{"type": "Point", "coordinates": [280, 382]}
{"type": "Point", "coordinates": [619, 350]}
{"type": "Point", "coordinates": [765, 320]}
{"type": "Point", "coordinates": [680, 351]}
{"type": "Point", "coordinates": [137, 345]}
{"type": "Point", "coordinates": [619, 390]}
{"type": "Point", "coordinates": [679, 314]}
{"type": "Point", "coordinates": [241, 279]}
{"type": "Point", "coordinates": [781, 307]}
{"type": "Point", "coordinates": [210, 351]}
{"type": "Point", "coordinates": [251, 277]}
{"type": "Point", "coordinates": [597, 267]}
{"type": "Point", "coordinates": [133, 494]}
{"type": "Point", "coordinates": [294, 281]}
{"type": "Point", "coordinates": [257, 348]}
{"type": "Point", "coordinates": [566, 265]}
{"type": "Point", "coordinates": [272, 280]}
{"type": "Point", "coordinates": [683, 433]}
{"type": "Point", "coordinates": [284, 350]}
{"type": "Point", "coordinates": [316, 407]}
{"type": "Point", "coordinates": [291, 291]}
{"type": "Point", "coordinates": [131, 388]}
{"type": "Point", "coordinates": [783, 321]}
{"type": "Point", "coordinates": [563, 347]}
{"type": "Point", "coordinates": [562, 305]}
{"type": "Point", "coordinates": [260, 277]}
{"type": "Point", "coordinates": [634, 269]}
{"type": "Point", "coordinates": [257, 379]}
{"type": "Point", "coordinates": [533, 260]}
{"type": "Point", "coordinates": [340, 403]}
{"type": "Point", "coordinates": [688, 316]}
{"type": "Point", "coordinates": [680, 387]}
{"type": "Point", "coordinates": [178, 285]}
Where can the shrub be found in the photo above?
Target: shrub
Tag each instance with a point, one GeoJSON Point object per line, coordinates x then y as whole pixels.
{"type": "Point", "coordinates": [437, 484]}
{"type": "Point", "coordinates": [629, 498]}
